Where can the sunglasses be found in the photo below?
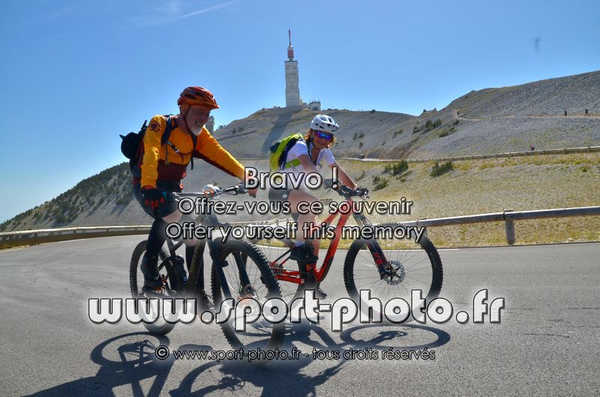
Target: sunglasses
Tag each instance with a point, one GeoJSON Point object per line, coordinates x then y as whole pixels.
{"type": "Point", "coordinates": [324, 135]}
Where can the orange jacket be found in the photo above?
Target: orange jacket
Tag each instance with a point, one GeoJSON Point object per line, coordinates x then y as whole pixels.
{"type": "Point", "coordinates": [164, 163]}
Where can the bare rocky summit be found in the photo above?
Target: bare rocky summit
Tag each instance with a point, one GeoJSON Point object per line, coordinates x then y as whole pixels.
{"type": "Point", "coordinates": [486, 121]}
{"type": "Point", "coordinates": [546, 97]}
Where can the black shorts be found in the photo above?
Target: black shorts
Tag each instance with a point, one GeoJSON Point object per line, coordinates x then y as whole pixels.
{"type": "Point", "coordinates": [165, 209]}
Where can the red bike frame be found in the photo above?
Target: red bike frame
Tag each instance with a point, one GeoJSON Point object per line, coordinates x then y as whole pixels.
{"type": "Point", "coordinates": [293, 276]}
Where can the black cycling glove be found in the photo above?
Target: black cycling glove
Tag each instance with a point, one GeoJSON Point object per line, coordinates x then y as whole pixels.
{"type": "Point", "coordinates": [153, 199]}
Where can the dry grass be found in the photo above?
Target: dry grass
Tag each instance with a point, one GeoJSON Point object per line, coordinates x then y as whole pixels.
{"type": "Point", "coordinates": [492, 185]}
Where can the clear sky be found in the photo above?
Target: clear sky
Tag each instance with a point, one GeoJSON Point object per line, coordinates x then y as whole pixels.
{"type": "Point", "coordinates": [75, 74]}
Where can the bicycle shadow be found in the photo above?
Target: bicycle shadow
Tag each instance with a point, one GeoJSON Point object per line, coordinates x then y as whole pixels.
{"type": "Point", "coordinates": [130, 364]}
{"type": "Point", "coordinates": [271, 378]}
{"type": "Point", "coordinates": [126, 362]}
{"type": "Point", "coordinates": [278, 375]}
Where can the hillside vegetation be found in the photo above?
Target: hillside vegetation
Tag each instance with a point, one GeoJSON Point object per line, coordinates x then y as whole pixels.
{"type": "Point", "coordinates": [487, 121]}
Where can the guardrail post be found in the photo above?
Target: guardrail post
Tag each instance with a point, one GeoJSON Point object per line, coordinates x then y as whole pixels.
{"type": "Point", "coordinates": [509, 227]}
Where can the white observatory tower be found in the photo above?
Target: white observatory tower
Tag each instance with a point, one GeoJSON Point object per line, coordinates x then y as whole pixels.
{"type": "Point", "coordinates": [292, 90]}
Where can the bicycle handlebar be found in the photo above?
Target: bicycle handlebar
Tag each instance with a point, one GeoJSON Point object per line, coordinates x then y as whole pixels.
{"type": "Point", "coordinates": [346, 191]}
{"type": "Point", "coordinates": [232, 190]}
{"type": "Point", "coordinates": [240, 189]}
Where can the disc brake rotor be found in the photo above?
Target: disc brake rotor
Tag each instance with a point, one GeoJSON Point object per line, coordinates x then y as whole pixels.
{"type": "Point", "coordinates": [394, 272]}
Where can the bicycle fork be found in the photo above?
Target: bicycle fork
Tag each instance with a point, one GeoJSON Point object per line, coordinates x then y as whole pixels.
{"type": "Point", "coordinates": [374, 248]}
{"type": "Point", "coordinates": [240, 262]}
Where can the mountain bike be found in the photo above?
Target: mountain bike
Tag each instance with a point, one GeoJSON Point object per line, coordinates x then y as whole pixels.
{"type": "Point", "coordinates": [387, 267]}
{"type": "Point", "coordinates": [239, 271]}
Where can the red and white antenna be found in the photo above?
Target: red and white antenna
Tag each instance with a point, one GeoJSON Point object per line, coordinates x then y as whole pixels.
{"type": "Point", "coordinates": [290, 47]}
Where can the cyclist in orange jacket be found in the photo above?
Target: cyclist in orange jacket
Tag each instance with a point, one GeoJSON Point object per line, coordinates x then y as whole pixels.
{"type": "Point", "coordinates": [162, 165]}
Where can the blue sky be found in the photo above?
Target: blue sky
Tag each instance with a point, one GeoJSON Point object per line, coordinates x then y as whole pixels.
{"type": "Point", "coordinates": [77, 73]}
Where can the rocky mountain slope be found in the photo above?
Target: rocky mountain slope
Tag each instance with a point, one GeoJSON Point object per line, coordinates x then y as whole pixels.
{"type": "Point", "coordinates": [486, 121]}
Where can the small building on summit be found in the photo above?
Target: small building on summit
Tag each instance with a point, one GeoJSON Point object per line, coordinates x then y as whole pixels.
{"type": "Point", "coordinates": [314, 105]}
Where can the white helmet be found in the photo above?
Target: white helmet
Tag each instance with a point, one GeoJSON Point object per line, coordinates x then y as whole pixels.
{"type": "Point", "coordinates": [325, 123]}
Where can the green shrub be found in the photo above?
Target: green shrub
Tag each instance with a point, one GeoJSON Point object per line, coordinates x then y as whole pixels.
{"type": "Point", "coordinates": [379, 182]}
{"type": "Point", "coordinates": [447, 131]}
{"type": "Point", "coordinates": [430, 125]}
{"type": "Point", "coordinates": [438, 170]}
{"type": "Point", "coordinates": [396, 168]}
{"type": "Point", "coordinates": [400, 131]}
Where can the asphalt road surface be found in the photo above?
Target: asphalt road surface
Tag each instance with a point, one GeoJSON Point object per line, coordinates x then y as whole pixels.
{"type": "Point", "coordinates": [548, 341]}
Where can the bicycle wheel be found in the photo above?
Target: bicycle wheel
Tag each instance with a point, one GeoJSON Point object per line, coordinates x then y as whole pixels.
{"type": "Point", "coordinates": [408, 266]}
{"type": "Point", "coordinates": [160, 327]}
{"type": "Point", "coordinates": [240, 271]}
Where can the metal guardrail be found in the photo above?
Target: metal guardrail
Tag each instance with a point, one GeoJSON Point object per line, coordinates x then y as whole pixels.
{"type": "Point", "coordinates": [507, 216]}
{"type": "Point", "coordinates": [68, 233]}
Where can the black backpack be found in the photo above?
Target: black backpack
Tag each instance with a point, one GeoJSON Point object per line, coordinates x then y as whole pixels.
{"type": "Point", "coordinates": [131, 144]}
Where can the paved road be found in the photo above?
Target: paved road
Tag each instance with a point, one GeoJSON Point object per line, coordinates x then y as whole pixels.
{"type": "Point", "coordinates": [547, 344]}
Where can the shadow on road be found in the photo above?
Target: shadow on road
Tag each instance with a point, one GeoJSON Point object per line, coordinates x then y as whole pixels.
{"type": "Point", "coordinates": [126, 360]}
{"type": "Point", "coordinates": [284, 377]}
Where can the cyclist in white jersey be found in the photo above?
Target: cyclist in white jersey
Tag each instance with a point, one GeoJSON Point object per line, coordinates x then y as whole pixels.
{"type": "Point", "coordinates": [306, 156]}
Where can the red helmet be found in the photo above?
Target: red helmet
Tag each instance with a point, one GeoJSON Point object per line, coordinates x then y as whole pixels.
{"type": "Point", "coordinates": [197, 96]}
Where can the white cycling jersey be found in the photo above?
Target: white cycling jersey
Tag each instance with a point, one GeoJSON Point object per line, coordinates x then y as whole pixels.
{"type": "Point", "coordinates": [300, 148]}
